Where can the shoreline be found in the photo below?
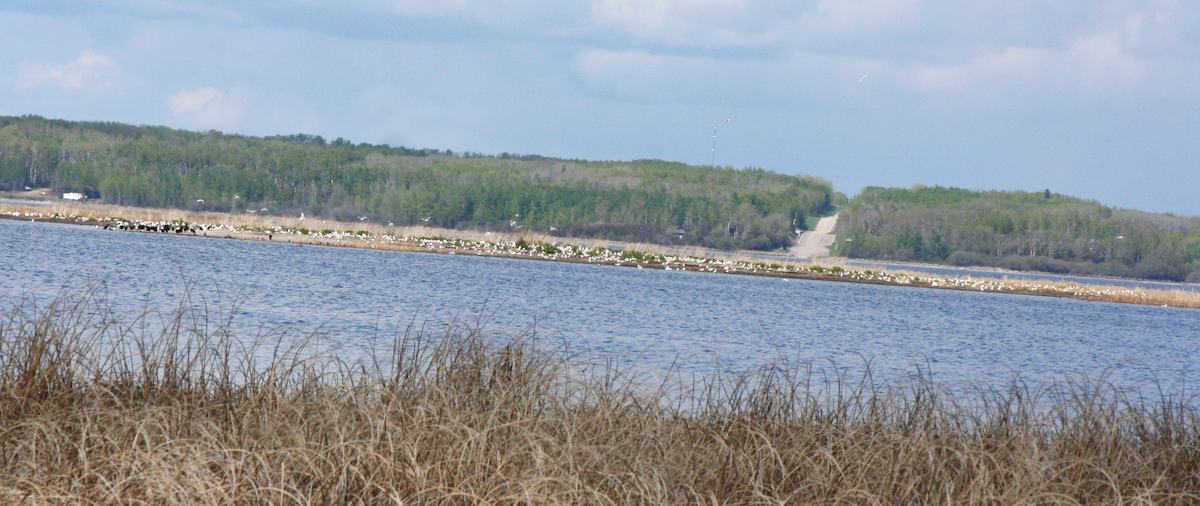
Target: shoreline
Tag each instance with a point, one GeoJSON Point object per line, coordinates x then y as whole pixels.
{"type": "Point", "coordinates": [102, 410]}
{"type": "Point", "coordinates": [1001, 271]}
{"type": "Point", "coordinates": [533, 246]}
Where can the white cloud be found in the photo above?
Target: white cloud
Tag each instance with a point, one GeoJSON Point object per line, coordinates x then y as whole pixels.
{"type": "Point", "coordinates": [1091, 67]}
{"type": "Point", "coordinates": [795, 78]}
{"type": "Point", "coordinates": [897, 28]}
{"type": "Point", "coordinates": [542, 16]}
{"type": "Point", "coordinates": [841, 16]}
{"type": "Point", "coordinates": [209, 107]}
{"type": "Point", "coordinates": [194, 9]}
{"type": "Point", "coordinates": [677, 23]}
{"type": "Point", "coordinates": [88, 73]}
{"type": "Point", "coordinates": [194, 101]}
{"type": "Point", "coordinates": [430, 7]}
{"type": "Point", "coordinates": [395, 7]}
{"type": "Point", "coordinates": [753, 23]}
{"type": "Point", "coordinates": [1102, 66]}
{"type": "Point", "coordinates": [1011, 65]}
{"type": "Point", "coordinates": [705, 23]}
{"type": "Point", "coordinates": [1105, 86]}
{"type": "Point", "coordinates": [1101, 62]}
{"type": "Point", "coordinates": [398, 116]}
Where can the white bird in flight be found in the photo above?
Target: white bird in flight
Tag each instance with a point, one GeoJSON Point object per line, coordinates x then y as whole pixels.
{"type": "Point", "coordinates": [864, 77]}
{"type": "Point", "coordinates": [426, 219]}
{"type": "Point", "coordinates": [512, 223]}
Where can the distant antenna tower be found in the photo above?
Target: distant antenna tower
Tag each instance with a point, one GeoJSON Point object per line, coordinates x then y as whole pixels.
{"type": "Point", "coordinates": [713, 162]}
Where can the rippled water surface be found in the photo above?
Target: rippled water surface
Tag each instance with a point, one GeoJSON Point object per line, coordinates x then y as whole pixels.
{"type": "Point", "coordinates": [652, 316]}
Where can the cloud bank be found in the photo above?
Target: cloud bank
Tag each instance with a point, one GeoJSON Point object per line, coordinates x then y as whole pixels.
{"type": "Point", "coordinates": [88, 73]}
{"type": "Point", "coordinates": [986, 94]}
{"type": "Point", "coordinates": [209, 107]}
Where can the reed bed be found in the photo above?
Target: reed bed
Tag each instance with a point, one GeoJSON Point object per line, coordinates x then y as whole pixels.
{"type": "Point", "coordinates": [97, 410]}
{"type": "Point", "coordinates": [532, 245]}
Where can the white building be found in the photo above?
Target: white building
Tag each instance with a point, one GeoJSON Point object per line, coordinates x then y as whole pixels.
{"type": "Point", "coordinates": [73, 196]}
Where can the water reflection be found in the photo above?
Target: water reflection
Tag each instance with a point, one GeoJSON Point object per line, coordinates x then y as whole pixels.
{"type": "Point", "coordinates": [655, 318]}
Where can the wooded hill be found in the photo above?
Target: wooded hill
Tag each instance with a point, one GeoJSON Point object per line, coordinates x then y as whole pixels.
{"type": "Point", "coordinates": [1019, 230]}
{"type": "Point", "coordinates": [642, 200]}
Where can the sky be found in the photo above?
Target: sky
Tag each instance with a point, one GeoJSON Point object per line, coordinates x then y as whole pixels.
{"type": "Point", "coordinates": [1097, 99]}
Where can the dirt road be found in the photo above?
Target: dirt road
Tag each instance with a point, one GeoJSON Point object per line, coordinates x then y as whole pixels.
{"type": "Point", "coordinates": [815, 243]}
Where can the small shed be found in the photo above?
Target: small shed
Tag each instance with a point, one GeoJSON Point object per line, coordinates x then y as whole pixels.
{"type": "Point", "coordinates": [73, 196]}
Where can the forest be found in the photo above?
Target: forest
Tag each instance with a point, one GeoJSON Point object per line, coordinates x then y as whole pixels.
{"type": "Point", "coordinates": [642, 200]}
{"type": "Point", "coordinates": [1039, 231]}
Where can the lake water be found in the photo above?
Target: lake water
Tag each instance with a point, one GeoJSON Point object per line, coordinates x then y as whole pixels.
{"type": "Point", "coordinates": [653, 317]}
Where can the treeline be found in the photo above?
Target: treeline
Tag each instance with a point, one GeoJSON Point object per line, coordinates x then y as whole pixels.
{"type": "Point", "coordinates": [1040, 231]}
{"type": "Point", "coordinates": [643, 200]}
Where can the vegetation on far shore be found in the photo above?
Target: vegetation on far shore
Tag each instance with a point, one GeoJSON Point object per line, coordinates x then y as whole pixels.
{"type": "Point", "coordinates": [98, 408]}
{"type": "Point", "coordinates": [642, 201]}
{"type": "Point", "coordinates": [177, 407]}
{"type": "Point", "coordinates": [1017, 230]}
{"type": "Point", "coordinates": [544, 247]}
{"type": "Point", "coordinates": [646, 201]}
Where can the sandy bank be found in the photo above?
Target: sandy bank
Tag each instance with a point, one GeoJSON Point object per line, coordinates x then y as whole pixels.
{"type": "Point", "coordinates": [542, 247]}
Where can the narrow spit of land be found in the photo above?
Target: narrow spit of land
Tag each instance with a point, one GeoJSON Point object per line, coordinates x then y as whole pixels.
{"type": "Point", "coordinates": [544, 247]}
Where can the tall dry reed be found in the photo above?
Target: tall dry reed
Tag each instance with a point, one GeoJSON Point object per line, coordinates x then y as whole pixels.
{"type": "Point", "coordinates": [174, 408]}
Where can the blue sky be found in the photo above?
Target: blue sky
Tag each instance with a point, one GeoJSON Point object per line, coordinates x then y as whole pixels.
{"type": "Point", "coordinates": [1095, 99]}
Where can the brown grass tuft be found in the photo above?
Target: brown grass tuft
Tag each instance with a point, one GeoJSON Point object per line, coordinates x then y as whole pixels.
{"type": "Point", "coordinates": [95, 411]}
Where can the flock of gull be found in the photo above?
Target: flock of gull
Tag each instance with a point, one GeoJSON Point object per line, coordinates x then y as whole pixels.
{"type": "Point", "coordinates": [626, 258]}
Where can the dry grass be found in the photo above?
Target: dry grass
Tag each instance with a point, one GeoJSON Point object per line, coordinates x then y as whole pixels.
{"type": "Point", "coordinates": [96, 411]}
